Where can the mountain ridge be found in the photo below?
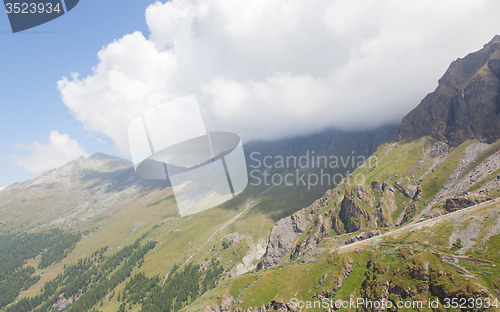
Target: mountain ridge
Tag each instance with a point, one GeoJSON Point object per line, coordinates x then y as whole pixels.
{"type": "Point", "coordinates": [466, 103]}
{"type": "Point", "coordinates": [101, 196]}
{"type": "Point", "coordinates": [443, 159]}
{"type": "Point", "coordinates": [246, 257]}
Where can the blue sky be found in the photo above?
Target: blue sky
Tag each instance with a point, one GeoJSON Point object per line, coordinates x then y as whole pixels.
{"type": "Point", "coordinates": [34, 60]}
{"type": "Point", "coordinates": [262, 69]}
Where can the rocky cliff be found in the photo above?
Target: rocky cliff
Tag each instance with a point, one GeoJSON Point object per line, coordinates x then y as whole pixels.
{"type": "Point", "coordinates": [409, 183]}
{"type": "Point", "coordinates": [466, 103]}
{"type": "Point", "coordinates": [285, 232]}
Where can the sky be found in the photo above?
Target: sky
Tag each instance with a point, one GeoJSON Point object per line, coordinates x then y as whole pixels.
{"type": "Point", "coordinates": [262, 69]}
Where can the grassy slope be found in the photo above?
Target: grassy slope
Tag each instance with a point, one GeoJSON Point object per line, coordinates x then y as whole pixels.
{"type": "Point", "coordinates": [397, 162]}
{"type": "Point", "coordinates": [405, 163]}
{"type": "Point", "coordinates": [434, 182]}
{"type": "Point", "coordinates": [178, 238]}
{"type": "Point", "coordinates": [304, 281]}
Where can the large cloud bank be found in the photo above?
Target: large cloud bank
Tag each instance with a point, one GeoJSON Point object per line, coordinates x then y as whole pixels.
{"type": "Point", "coordinates": [270, 69]}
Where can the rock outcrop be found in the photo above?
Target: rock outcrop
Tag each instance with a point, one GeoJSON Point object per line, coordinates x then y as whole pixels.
{"type": "Point", "coordinates": [457, 203]}
{"type": "Point", "coordinates": [362, 236]}
{"type": "Point", "coordinates": [466, 103]}
{"type": "Point", "coordinates": [287, 230]}
{"type": "Point", "coordinates": [349, 214]}
{"type": "Point", "coordinates": [61, 303]}
{"type": "Point", "coordinates": [386, 207]}
{"type": "Point", "coordinates": [320, 230]}
{"type": "Point", "coordinates": [411, 191]}
{"type": "Point", "coordinates": [352, 213]}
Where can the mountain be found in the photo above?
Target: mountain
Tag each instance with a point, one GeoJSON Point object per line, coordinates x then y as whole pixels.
{"type": "Point", "coordinates": [416, 225]}
{"type": "Point", "coordinates": [71, 195]}
{"type": "Point", "coordinates": [417, 268]}
{"type": "Point", "coordinates": [286, 199]}
{"type": "Point", "coordinates": [421, 226]}
{"type": "Point", "coordinates": [89, 188]}
{"type": "Point", "coordinates": [100, 210]}
{"type": "Point", "coordinates": [466, 103]}
{"type": "Point", "coordinates": [412, 221]}
{"type": "Point", "coordinates": [411, 182]}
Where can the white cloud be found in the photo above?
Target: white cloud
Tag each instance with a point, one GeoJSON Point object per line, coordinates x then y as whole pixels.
{"type": "Point", "coordinates": [2, 187]}
{"type": "Point", "coordinates": [58, 152]}
{"type": "Point", "coordinates": [270, 69]}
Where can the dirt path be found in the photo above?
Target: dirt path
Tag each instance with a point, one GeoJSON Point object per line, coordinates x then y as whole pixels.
{"type": "Point", "coordinates": [236, 217]}
{"type": "Point", "coordinates": [419, 225]}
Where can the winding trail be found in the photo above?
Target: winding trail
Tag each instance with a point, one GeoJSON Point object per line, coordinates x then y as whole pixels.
{"type": "Point", "coordinates": [419, 225]}
{"type": "Point", "coordinates": [236, 217]}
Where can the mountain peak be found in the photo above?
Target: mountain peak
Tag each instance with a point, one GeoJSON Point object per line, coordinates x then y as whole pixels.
{"type": "Point", "coordinates": [495, 40]}
{"type": "Point", "coordinates": [466, 103]}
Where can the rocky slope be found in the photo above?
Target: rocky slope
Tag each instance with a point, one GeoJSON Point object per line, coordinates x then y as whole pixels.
{"type": "Point", "coordinates": [449, 160]}
{"type": "Point", "coordinates": [102, 197]}
{"type": "Point", "coordinates": [421, 265]}
{"type": "Point", "coordinates": [390, 194]}
{"type": "Point", "coordinates": [287, 230]}
{"type": "Point", "coordinates": [445, 157]}
{"type": "Point", "coordinates": [466, 103]}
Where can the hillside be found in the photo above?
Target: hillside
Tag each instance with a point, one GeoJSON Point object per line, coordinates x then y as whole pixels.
{"type": "Point", "coordinates": [417, 264]}
{"type": "Point", "coordinates": [413, 181]}
{"type": "Point", "coordinates": [106, 207]}
{"type": "Point", "coordinates": [417, 221]}
{"type": "Point", "coordinates": [410, 202]}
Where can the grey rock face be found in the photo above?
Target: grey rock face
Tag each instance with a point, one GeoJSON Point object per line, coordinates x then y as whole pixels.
{"type": "Point", "coordinates": [320, 230]}
{"type": "Point", "coordinates": [466, 103]}
{"type": "Point", "coordinates": [352, 214]}
{"type": "Point", "coordinates": [362, 236]}
{"type": "Point", "coordinates": [282, 237]}
{"type": "Point", "coordinates": [61, 303]}
{"type": "Point", "coordinates": [386, 206]}
{"type": "Point", "coordinates": [411, 191]}
{"type": "Point", "coordinates": [377, 186]}
{"type": "Point", "coordinates": [287, 230]}
{"type": "Point", "coordinates": [458, 203]}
